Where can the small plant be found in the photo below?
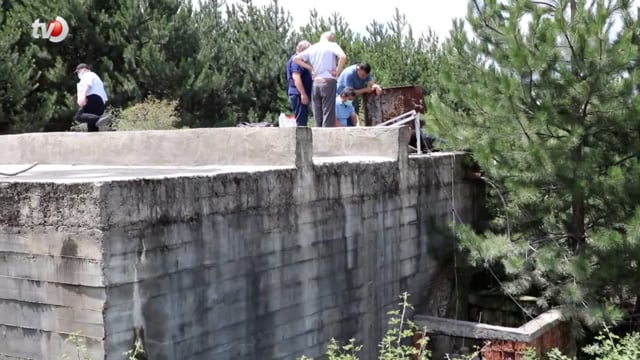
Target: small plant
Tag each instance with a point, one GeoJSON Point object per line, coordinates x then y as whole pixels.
{"type": "Point", "coordinates": [78, 341]}
{"type": "Point", "coordinates": [152, 114]}
{"type": "Point", "coordinates": [610, 346]}
{"type": "Point", "coordinates": [136, 352]}
{"type": "Point", "coordinates": [348, 351]}
{"type": "Point", "coordinates": [402, 330]}
{"type": "Point", "coordinates": [397, 343]}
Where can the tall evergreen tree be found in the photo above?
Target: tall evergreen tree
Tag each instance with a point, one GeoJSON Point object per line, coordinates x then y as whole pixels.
{"type": "Point", "coordinates": [552, 115]}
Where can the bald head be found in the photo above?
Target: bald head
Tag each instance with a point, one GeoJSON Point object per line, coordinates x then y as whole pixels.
{"type": "Point", "coordinates": [327, 36]}
{"type": "Point", "coordinates": [302, 46]}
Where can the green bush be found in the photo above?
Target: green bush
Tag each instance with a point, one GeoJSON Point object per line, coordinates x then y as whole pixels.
{"type": "Point", "coordinates": [152, 114]}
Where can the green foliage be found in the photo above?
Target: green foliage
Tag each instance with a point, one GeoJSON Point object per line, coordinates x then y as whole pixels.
{"type": "Point", "coordinates": [348, 351]}
{"type": "Point", "coordinates": [545, 94]}
{"type": "Point", "coordinates": [401, 329]}
{"type": "Point", "coordinates": [152, 114]}
{"type": "Point", "coordinates": [609, 346]}
{"type": "Point", "coordinates": [397, 344]}
{"type": "Point", "coordinates": [78, 341]}
{"type": "Point", "coordinates": [137, 352]}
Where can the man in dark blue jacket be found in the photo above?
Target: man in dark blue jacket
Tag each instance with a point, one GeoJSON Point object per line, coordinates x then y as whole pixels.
{"type": "Point", "coordinates": [300, 83]}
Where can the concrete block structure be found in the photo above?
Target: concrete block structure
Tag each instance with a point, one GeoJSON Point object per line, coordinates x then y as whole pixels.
{"type": "Point", "coordinates": [544, 333]}
{"type": "Point", "coordinates": [238, 243]}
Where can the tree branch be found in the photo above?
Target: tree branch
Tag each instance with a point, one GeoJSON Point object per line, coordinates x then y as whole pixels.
{"type": "Point", "coordinates": [544, 3]}
{"type": "Point", "coordinates": [484, 20]}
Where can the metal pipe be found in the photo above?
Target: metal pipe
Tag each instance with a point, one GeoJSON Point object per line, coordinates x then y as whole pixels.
{"type": "Point", "coordinates": [418, 134]}
{"type": "Point", "coordinates": [410, 113]}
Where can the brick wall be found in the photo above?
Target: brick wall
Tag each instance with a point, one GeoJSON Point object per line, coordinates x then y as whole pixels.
{"type": "Point", "coordinates": [559, 336]}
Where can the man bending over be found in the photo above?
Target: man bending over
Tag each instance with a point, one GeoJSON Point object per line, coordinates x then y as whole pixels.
{"type": "Point", "coordinates": [359, 78]}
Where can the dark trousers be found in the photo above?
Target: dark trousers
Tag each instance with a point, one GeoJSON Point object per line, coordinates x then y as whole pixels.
{"type": "Point", "coordinates": [91, 112]}
{"type": "Point", "coordinates": [324, 102]}
{"type": "Point", "coordinates": [356, 104]}
{"type": "Point", "coordinates": [300, 110]}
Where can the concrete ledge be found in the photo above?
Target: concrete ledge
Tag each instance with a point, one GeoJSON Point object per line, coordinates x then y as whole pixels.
{"type": "Point", "coordinates": [192, 147]}
{"type": "Point", "coordinates": [465, 329]}
{"type": "Point", "coordinates": [386, 142]}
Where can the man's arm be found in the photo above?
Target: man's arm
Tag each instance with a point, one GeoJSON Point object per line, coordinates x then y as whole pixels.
{"type": "Point", "coordinates": [342, 59]}
{"type": "Point", "coordinates": [83, 89]}
{"type": "Point", "coordinates": [375, 87]}
{"type": "Point", "coordinates": [366, 90]}
{"type": "Point", "coordinates": [297, 80]}
{"type": "Point", "coordinates": [349, 82]}
{"type": "Point", "coordinates": [371, 87]}
{"type": "Point", "coordinates": [300, 60]}
{"type": "Point", "coordinates": [354, 119]}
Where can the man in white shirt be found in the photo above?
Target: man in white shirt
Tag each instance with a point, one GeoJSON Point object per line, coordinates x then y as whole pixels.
{"type": "Point", "coordinates": [91, 98]}
{"type": "Point", "coordinates": [321, 58]}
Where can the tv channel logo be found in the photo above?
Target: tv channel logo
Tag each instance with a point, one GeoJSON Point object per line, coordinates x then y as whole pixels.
{"type": "Point", "coordinates": [55, 30]}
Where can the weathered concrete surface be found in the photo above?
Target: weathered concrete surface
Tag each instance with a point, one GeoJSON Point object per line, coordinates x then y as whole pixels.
{"type": "Point", "coordinates": [221, 263]}
{"type": "Point", "coordinates": [189, 147]}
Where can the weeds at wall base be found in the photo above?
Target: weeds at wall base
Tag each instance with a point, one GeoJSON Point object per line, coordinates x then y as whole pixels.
{"type": "Point", "coordinates": [402, 331]}
{"type": "Point", "coordinates": [137, 353]}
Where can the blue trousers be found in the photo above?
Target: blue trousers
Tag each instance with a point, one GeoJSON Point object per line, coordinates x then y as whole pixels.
{"type": "Point", "coordinates": [300, 110]}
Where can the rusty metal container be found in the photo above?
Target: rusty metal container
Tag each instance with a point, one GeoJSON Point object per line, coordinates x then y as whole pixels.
{"type": "Point", "coordinates": [393, 101]}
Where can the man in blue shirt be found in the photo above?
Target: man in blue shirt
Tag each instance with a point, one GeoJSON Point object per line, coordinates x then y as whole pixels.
{"type": "Point", "coordinates": [300, 84]}
{"type": "Point", "coordinates": [359, 78]}
{"type": "Point", "coordinates": [345, 113]}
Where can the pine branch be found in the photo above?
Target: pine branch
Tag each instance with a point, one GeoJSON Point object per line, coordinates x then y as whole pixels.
{"type": "Point", "coordinates": [484, 19]}
{"type": "Point", "coordinates": [544, 3]}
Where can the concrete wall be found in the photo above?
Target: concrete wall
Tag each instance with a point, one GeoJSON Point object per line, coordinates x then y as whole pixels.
{"type": "Point", "coordinates": [235, 264]}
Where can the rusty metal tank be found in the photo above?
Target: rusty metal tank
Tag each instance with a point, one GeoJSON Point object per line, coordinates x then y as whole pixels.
{"type": "Point", "coordinates": [394, 101]}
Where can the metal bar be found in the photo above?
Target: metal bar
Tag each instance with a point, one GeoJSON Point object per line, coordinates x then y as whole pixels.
{"type": "Point", "coordinates": [410, 113]}
{"type": "Point", "coordinates": [401, 122]}
{"type": "Point", "coordinates": [418, 134]}
{"type": "Point", "coordinates": [407, 114]}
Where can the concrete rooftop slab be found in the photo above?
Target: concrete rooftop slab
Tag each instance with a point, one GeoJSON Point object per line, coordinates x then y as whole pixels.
{"type": "Point", "coordinates": [99, 173]}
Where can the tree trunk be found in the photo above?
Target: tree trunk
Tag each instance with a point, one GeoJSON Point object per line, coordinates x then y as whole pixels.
{"type": "Point", "coordinates": [577, 204]}
{"type": "Point", "coordinates": [577, 201]}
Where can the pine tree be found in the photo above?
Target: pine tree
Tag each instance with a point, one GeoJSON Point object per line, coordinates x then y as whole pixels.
{"type": "Point", "coordinates": [31, 97]}
{"type": "Point", "coordinates": [552, 115]}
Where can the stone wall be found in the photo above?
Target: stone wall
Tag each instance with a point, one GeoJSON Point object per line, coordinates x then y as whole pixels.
{"type": "Point", "coordinates": [314, 236]}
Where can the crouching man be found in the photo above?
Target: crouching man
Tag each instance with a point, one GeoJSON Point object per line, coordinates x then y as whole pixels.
{"type": "Point", "coordinates": [345, 112]}
{"type": "Point", "coordinates": [91, 98]}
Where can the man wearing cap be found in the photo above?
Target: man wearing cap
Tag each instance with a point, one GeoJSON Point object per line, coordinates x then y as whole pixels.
{"type": "Point", "coordinates": [346, 115]}
{"type": "Point", "coordinates": [91, 98]}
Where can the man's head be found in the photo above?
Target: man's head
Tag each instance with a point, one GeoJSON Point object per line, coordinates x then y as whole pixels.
{"type": "Point", "coordinates": [363, 70]}
{"type": "Point", "coordinates": [347, 95]}
{"type": "Point", "coordinates": [328, 36]}
{"type": "Point", "coordinates": [81, 69]}
{"type": "Point", "coordinates": [302, 46]}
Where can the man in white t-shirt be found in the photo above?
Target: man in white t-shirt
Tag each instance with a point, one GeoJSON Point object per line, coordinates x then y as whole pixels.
{"type": "Point", "coordinates": [320, 59]}
{"type": "Point", "coordinates": [91, 98]}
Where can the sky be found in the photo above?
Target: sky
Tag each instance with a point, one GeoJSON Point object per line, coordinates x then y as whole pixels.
{"type": "Point", "coordinates": [436, 14]}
